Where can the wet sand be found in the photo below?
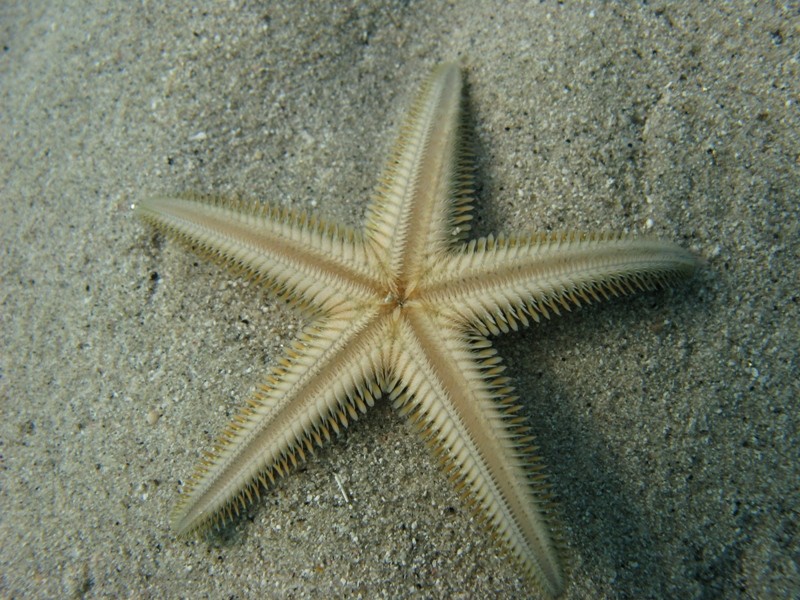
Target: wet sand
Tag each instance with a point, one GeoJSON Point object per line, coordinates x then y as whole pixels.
{"type": "Point", "coordinates": [668, 420]}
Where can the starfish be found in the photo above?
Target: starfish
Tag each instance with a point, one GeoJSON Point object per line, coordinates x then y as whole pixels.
{"type": "Point", "coordinates": [403, 310]}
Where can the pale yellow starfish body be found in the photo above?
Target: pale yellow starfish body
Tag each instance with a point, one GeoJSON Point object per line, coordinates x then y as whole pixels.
{"type": "Point", "coordinates": [402, 310]}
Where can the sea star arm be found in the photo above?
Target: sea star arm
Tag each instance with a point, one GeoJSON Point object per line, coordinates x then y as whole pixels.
{"type": "Point", "coordinates": [328, 376]}
{"type": "Point", "coordinates": [307, 262]}
{"type": "Point", "coordinates": [449, 386]}
{"type": "Point", "coordinates": [422, 203]}
{"type": "Point", "coordinates": [495, 284]}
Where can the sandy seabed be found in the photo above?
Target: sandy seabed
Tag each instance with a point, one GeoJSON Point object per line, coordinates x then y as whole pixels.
{"type": "Point", "coordinates": [668, 420]}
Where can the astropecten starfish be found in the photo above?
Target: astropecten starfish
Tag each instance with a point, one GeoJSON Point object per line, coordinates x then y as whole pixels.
{"type": "Point", "coordinates": [403, 310]}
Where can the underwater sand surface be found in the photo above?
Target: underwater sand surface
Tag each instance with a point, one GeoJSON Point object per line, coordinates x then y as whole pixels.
{"type": "Point", "coordinates": [668, 420]}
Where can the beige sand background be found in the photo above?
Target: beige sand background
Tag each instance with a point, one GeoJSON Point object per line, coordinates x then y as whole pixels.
{"type": "Point", "coordinates": [669, 420]}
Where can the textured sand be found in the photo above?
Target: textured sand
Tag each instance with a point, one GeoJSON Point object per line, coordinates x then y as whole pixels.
{"type": "Point", "coordinates": [668, 420]}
